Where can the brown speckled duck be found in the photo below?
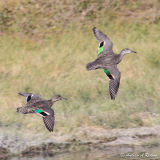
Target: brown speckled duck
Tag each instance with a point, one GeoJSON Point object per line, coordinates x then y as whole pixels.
{"type": "Point", "coordinates": [35, 104]}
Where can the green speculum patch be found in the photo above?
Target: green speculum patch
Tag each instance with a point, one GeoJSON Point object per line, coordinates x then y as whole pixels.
{"type": "Point", "coordinates": [106, 71]}
{"type": "Point", "coordinates": [38, 110]}
{"type": "Point", "coordinates": [100, 50]}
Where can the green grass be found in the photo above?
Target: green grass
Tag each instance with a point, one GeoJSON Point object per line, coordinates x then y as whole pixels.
{"type": "Point", "coordinates": [57, 66]}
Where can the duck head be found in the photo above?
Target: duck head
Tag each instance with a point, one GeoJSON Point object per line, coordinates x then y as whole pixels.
{"type": "Point", "coordinates": [126, 51]}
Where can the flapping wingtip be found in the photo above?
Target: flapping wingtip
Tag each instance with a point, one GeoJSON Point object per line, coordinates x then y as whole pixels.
{"type": "Point", "coordinates": [112, 97]}
{"type": "Point", "coordinates": [94, 28]}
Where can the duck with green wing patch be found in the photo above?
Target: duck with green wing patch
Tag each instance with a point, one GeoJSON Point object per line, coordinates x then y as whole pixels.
{"type": "Point", "coordinates": [42, 108]}
{"type": "Point", "coordinates": [108, 60]}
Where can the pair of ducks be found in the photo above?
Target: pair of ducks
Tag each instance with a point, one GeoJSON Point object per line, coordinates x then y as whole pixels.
{"type": "Point", "coordinates": [106, 60]}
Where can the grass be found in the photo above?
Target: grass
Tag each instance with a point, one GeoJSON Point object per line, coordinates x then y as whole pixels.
{"type": "Point", "coordinates": [57, 66]}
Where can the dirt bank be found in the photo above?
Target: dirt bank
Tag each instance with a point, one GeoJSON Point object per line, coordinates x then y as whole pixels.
{"type": "Point", "coordinates": [84, 139]}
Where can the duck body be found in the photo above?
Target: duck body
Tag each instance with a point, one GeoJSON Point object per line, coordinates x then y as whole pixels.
{"type": "Point", "coordinates": [30, 108]}
{"type": "Point", "coordinates": [108, 60]}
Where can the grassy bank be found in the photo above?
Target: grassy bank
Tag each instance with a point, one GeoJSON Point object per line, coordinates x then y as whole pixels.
{"type": "Point", "coordinates": [56, 65]}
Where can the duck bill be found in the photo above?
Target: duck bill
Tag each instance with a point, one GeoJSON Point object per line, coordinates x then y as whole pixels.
{"type": "Point", "coordinates": [133, 52]}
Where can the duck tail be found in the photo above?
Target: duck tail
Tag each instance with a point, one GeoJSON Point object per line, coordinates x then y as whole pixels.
{"type": "Point", "coordinates": [93, 65]}
{"type": "Point", "coordinates": [22, 110]}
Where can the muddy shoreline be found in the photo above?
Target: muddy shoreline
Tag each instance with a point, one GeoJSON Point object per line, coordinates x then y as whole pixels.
{"type": "Point", "coordinates": [115, 141]}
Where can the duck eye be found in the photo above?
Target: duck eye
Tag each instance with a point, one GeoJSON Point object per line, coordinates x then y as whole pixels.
{"type": "Point", "coordinates": [101, 44]}
{"type": "Point", "coordinates": [28, 98]}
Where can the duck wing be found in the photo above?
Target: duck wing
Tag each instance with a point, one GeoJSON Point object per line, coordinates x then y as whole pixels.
{"type": "Point", "coordinates": [103, 40]}
{"type": "Point", "coordinates": [31, 98]}
{"type": "Point", "coordinates": [114, 82]}
{"type": "Point", "coordinates": [49, 118]}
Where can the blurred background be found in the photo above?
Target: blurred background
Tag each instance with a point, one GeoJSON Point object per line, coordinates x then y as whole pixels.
{"type": "Point", "coordinates": [45, 46]}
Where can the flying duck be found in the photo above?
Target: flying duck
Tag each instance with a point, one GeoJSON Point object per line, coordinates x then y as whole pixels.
{"type": "Point", "coordinates": [41, 107]}
{"type": "Point", "coordinates": [108, 60]}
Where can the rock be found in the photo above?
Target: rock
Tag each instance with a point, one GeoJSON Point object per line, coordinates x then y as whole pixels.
{"type": "Point", "coordinates": [89, 138]}
{"type": "Point", "coordinates": [4, 153]}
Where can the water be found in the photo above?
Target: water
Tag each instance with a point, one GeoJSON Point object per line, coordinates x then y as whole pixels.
{"type": "Point", "coordinates": [110, 153]}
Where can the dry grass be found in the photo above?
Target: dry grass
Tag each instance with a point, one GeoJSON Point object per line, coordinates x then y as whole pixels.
{"type": "Point", "coordinates": [38, 18]}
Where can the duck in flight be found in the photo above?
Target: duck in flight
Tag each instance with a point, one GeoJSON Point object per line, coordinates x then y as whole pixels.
{"type": "Point", "coordinates": [35, 104]}
{"type": "Point", "coordinates": [108, 60]}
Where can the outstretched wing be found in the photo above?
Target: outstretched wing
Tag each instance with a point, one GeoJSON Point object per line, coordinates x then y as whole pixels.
{"type": "Point", "coordinates": [31, 98]}
{"type": "Point", "coordinates": [49, 119]}
{"type": "Point", "coordinates": [115, 81]}
{"type": "Point", "coordinates": [101, 37]}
